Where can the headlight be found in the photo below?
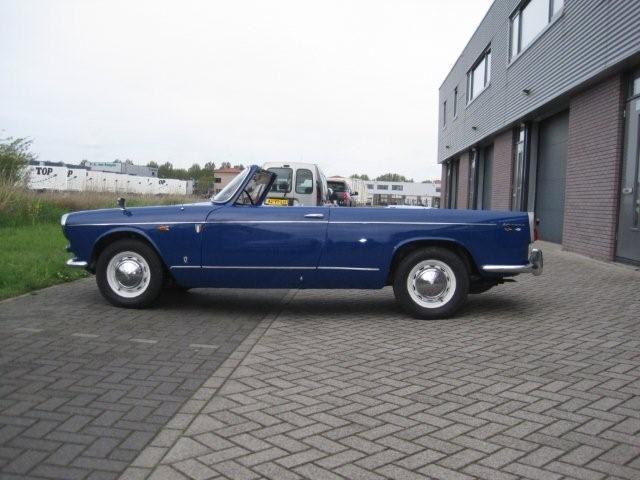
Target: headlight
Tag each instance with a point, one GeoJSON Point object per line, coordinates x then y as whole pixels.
{"type": "Point", "coordinates": [63, 219]}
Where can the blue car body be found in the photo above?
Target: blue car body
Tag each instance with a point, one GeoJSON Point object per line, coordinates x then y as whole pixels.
{"type": "Point", "coordinates": [246, 246]}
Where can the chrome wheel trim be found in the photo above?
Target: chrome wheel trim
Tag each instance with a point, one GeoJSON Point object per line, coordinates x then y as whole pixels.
{"type": "Point", "coordinates": [431, 283]}
{"type": "Point", "coordinates": [128, 274]}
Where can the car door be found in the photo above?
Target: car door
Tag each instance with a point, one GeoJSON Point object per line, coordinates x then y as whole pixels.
{"type": "Point", "coordinates": [246, 246]}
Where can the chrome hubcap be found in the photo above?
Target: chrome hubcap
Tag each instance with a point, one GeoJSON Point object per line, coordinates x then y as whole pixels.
{"type": "Point", "coordinates": [128, 274]}
{"type": "Point", "coordinates": [431, 283]}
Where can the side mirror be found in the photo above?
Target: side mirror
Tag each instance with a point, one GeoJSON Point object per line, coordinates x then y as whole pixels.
{"type": "Point", "coordinates": [122, 203]}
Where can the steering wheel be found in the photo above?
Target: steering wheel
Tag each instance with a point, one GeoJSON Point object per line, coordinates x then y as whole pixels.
{"type": "Point", "coordinates": [248, 196]}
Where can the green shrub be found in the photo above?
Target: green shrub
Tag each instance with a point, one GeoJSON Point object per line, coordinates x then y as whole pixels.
{"type": "Point", "coordinates": [14, 157]}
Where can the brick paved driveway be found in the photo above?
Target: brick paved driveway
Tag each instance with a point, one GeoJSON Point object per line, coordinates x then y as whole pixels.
{"type": "Point", "coordinates": [84, 386]}
{"type": "Point", "coordinates": [539, 379]}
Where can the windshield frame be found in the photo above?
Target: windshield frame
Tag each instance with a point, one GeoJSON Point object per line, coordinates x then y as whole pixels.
{"type": "Point", "coordinates": [232, 189]}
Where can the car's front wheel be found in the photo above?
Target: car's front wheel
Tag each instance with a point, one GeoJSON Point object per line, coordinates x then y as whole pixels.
{"type": "Point", "coordinates": [129, 274]}
{"type": "Point", "coordinates": [431, 283]}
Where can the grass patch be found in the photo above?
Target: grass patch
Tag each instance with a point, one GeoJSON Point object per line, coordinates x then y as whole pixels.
{"type": "Point", "coordinates": [32, 246]}
{"type": "Point", "coordinates": [19, 206]}
{"type": "Point", "coordinates": [33, 257]}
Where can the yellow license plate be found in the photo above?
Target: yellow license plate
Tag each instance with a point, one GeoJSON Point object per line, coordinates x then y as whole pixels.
{"type": "Point", "coordinates": [277, 201]}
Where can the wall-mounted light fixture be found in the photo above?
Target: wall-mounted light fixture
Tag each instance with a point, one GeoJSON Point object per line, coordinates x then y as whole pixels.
{"type": "Point", "coordinates": [526, 91]}
{"type": "Point", "coordinates": [447, 146]}
{"type": "Point", "coordinates": [474, 128]}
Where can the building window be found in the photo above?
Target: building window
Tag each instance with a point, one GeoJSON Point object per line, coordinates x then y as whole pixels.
{"type": "Point", "coordinates": [369, 186]}
{"type": "Point", "coordinates": [383, 187]}
{"type": "Point", "coordinates": [529, 20]}
{"type": "Point", "coordinates": [217, 180]}
{"type": "Point", "coordinates": [479, 76]}
{"type": "Point", "coordinates": [444, 113]}
{"type": "Point", "coordinates": [520, 178]}
{"type": "Point", "coordinates": [455, 102]}
{"type": "Point", "coordinates": [396, 187]}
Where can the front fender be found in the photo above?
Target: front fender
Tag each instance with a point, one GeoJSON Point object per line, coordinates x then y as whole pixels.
{"type": "Point", "coordinates": [132, 231]}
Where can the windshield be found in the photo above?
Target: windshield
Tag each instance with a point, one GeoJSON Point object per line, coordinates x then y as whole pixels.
{"type": "Point", "coordinates": [230, 190]}
{"type": "Point", "coordinates": [255, 188]}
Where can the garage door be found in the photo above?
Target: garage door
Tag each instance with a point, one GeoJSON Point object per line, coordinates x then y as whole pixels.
{"type": "Point", "coordinates": [550, 179]}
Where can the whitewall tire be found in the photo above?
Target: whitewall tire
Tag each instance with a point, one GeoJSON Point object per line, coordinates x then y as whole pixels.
{"type": "Point", "coordinates": [129, 273]}
{"type": "Point", "coordinates": [431, 283]}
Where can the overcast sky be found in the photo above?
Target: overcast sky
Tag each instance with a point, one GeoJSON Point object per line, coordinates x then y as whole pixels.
{"type": "Point", "coordinates": [349, 84]}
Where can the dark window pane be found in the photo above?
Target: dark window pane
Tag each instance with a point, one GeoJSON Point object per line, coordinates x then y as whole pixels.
{"type": "Point", "coordinates": [455, 102]}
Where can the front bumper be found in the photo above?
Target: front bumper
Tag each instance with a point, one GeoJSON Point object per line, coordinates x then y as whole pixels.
{"type": "Point", "coordinates": [72, 262]}
{"type": "Point", "coordinates": [534, 266]}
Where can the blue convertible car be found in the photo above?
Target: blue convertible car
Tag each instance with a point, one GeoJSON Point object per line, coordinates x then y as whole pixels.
{"type": "Point", "coordinates": [433, 258]}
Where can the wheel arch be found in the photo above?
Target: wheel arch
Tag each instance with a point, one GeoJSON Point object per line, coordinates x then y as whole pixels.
{"type": "Point", "coordinates": [405, 248]}
{"type": "Point", "coordinates": [118, 234]}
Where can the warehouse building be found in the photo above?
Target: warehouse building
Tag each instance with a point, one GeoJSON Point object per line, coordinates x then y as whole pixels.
{"type": "Point", "coordinates": [541, 113]}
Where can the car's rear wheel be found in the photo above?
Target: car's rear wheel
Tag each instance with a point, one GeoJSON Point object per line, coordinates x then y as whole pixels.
{"type": "Point", "coordinates": [431, 283]}
{"type": "Point", "coordinates": [129, 274]}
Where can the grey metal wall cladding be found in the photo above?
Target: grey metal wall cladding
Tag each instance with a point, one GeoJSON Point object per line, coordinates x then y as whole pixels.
{"type": "Point", "coordinates": [552, 168]}
{"type": "Point", "coordinates": [587, 38]}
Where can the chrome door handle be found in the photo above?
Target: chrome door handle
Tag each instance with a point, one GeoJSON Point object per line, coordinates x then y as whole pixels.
{"type": "Point", "coordinates": [314, 215]}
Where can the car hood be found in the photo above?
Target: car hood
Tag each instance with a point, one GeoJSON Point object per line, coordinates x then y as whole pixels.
{"type": "Point", "coordinates": [191, 212]}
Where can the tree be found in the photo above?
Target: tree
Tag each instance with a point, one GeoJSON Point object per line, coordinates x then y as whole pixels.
{"type": "Point", "coordinates": [225, 165]}
{"type": "Point", "coordinates": [393, 177]}
{"type": "Point", "coordinates": [84, 162]}
{"type": "Point", "coordinates": [194, 171]}
{"type": "Point", "coordinates": [239, 166]}
{"type": "Point", "coordinates": [210, 166]}
{"type": "Point", "coordinates": [165, 170]}
{"type": "Point", "coordinates": [152, 164]}
{"type": "Point", "coordinates": [15, 155]}
{"type": "Point", "coordinates": [363, 176]}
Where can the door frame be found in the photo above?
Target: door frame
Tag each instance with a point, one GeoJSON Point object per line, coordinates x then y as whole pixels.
{"type": "Point", "coordinates": [630, 97]}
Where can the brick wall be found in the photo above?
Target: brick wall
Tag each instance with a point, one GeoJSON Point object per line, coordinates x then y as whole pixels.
{"type": "Point", "coordinates": [463, 180]}
{"type": "Point", "coordinates": [594, 154]}
{"type": "Point", "coordinates": [501, 173]}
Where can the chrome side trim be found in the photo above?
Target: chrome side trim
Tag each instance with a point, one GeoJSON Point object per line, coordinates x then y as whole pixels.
{"type": "Point", "coordinates": [354, 222]}
{"type": "Point", "coordinates": [221, 222]}
{"type": "Point", "coordinates": [359, 269]}
{"type": "Point", "coordinates": [72, 262]}
{"type": "Point", "coordinates": [417, 223]}
{"type": "Point", "coordinates": [244, 267]}
{"type": "Point", "coordinates": [535, 265]}
{"type": "Point", "coordinates": [281, 221]}
{"type": "Point", "coordinates": [124, 224]}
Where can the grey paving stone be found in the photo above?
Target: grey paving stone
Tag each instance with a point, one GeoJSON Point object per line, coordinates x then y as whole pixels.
{"type": "Point", "coordinates": [532, 380]}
